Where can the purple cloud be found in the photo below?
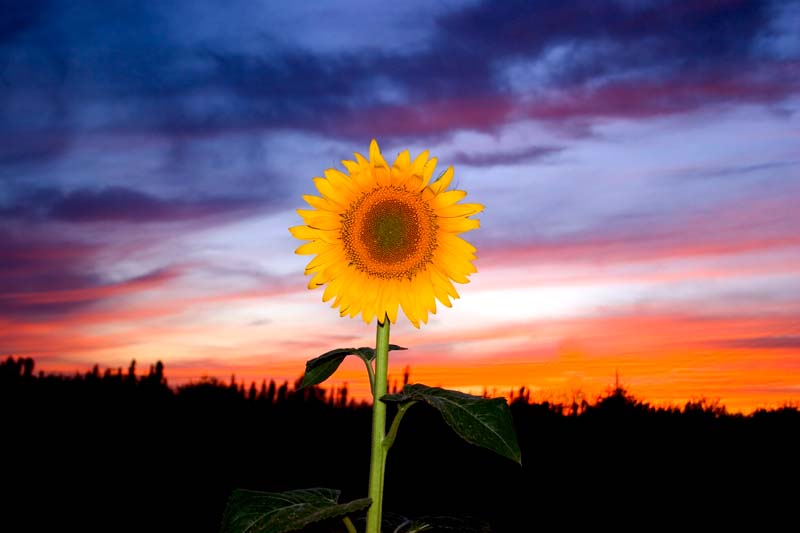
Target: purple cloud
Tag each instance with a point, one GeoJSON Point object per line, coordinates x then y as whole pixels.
{"type": "Point", "coordinates": [124, 205]}
{"type": "Point", "coordinates": [617, 59]}
{"type": "Point", "coordinates": [759, 343]}
{"type": "Point", "coordinates": [121, 204]}
{"type": "Point", "coordinates": [510, 157]}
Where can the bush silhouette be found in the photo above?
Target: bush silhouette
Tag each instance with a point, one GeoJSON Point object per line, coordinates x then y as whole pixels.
{"type": "Point", "coordinates": [118, 451]}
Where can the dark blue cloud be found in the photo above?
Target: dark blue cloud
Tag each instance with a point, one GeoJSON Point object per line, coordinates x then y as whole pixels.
{"type": "Point", "coordinates": [35, 264]}
{"type": "Point", "coordinates": [509, 157]}
{"type": "Point", "coordinates": [120, 204]}
{"type": "Point", "coordinates": [41, 278]}
{"type": "Point", "coordinates": [654, 33]}
{"type": "Point", "coordinates": [120, 65]}
{"type": "Point", "coordinates": [125, 205]}
{"type": "Point", "coordinates": [18, 15]}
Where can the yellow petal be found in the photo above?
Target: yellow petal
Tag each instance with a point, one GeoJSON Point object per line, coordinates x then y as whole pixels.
{"type": "Point", "coordinates": [459, 210]}
{"type": "Point", "coordinates": [368, 300]}
{"type": "Point", "coordinates": [380, 302]}
{"type": "Point", "coordinates": [442, 296]}
{"type": "Point", "coordinates": [348, 280]}
{"type": "Point", "coordinates": [455, 269]}
{"type": "Point", "coordinates": [402, 162]}
{"type": "Point", "coordinates": [375, 156]}
{"type": "Point", "coordinates": [335, 270]}
{"type": "Point", "coordinates": [382, 176]}
{"type": "Point", "coordinates": [401, 168]}
{"type": "Point", "coordinates": [332, 289]}
{"type": "Point", "coordinates": [351, 166]}
{"type": "Point", "coordinates": [407, 302]}
{"type": "Point", "coordinates": [424, 287]}
{"type": "Point", "coordinates": [304, 233]}
{"type": "Point", "coordinates": [321, 203]}
{"type": "Point", "coordinates": [320, 219]}
{"type": "Point", "coordinates": [392, 301]}
{"type": "Point", "coordinates": [442, 281]}
{"type": "Point", "coordinates": [443, 182]}
{"type": "Point", "coordinates": [317, 280]}
{"type": "Point", "coordinates": [458, 225]}
{"type": "Point", "coordinates": [333, 194]}
{"type": "Point", "coordinates": [456, 255]}
{"type": "Point", "coordinates": [307, 234]}
{"type": "Point", "coordinates": [458, 243]}
{"type": "Point", "coordinates": [427, 172]}
{"type": "Point", "coordinates": [363, 164]}
{"type": "Point", "coordinates": [447, 198]}
{"type": "Point", "coordinates": [418, 166]}
{"type": "Point", "coordinates": [313, 247]}
{"type": "Point", "coordinates": [332, 255]}
{"type": "Point", "coordinates": [341, 181]}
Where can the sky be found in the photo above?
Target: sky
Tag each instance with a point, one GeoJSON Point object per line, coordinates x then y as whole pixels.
{"type": "Point", "coordinates": [639, 163]}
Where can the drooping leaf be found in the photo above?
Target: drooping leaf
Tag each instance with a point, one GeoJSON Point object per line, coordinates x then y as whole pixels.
{"type": "Point", "coordinates": [485, 422]}
{"type": "Point", "coordinates": [251, 511]}
{"type": "Point", "coordinates": [369, 353]}
{"type": "Point", "coordinates": [321, 368]}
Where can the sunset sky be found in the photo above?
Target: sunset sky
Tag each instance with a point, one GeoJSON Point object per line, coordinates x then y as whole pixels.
{"type": "Point", "coordinates": [639, 163]}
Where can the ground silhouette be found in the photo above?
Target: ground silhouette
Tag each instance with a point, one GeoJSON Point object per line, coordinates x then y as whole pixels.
{"type": "Point", "coordinates": [123, 451]}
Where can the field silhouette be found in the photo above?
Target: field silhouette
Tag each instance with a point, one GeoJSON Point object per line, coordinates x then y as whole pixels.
{"type": "Point", "coordinates": [123, 451]}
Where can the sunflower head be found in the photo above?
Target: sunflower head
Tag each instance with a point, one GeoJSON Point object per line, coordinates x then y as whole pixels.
{"type": "Point", "coordinates": [386, 237]}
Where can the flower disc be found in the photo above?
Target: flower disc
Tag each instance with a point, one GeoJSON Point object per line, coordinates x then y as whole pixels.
{"type": "Point", "coordinates": [387, 237]}
{"type": "Point", "coordinates": [389, 233]}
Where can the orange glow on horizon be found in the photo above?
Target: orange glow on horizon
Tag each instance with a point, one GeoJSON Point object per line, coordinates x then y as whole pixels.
{"type": "Point", "coordinates": [674, 318]}
{"type": "Point", "coordinates": [661, 359]}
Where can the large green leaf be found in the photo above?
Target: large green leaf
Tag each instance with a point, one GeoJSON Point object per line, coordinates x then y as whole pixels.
{"type": "Point", "coordinates": [481, 421]}
{"type": "Point", "coordinates": [321, 368]}
{"type": "Point", "coordinates": [250, 511]}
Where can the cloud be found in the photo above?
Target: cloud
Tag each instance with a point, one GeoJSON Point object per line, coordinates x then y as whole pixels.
{"type": "Point", "coordinates": [31, 255]}
{"type": "Point", "coordinates": [122, 67]}
{"type": "Point", "coordinates": [124, 205]}
{"type": "Point", "coordinates": [49, 276]}
{"type": "Point", "coordinates": [94, 293]}
{"type": "Point", "coordinates": [121, 204]}
{"type": "Point", "coordinates": [34, 263]}
{"type": "Point", "coordinates": [510, 157]}
{"type": "Point", "coordinates": [643, 97]}
{"type": "Point", "coordinates": [688, 32]}
{"type": "Point", "coordinates": [760, 343]}
{"type": "Point", "coordinates": [729, 172]}
{"type": "Point", "coordinates": [759, 225]}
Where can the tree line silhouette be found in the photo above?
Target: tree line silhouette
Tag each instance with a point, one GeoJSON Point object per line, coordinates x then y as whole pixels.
{"type": "Point", "coordinates": [121, 451]}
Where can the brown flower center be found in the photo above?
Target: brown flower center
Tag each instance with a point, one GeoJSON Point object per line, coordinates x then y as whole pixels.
{"type": "Point", "coordinates": [389, 232]}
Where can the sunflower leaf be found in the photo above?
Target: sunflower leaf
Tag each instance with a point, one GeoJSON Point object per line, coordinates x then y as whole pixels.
{"type": "Point", "coordinates": [368, 353]}
{"type": "Point", "coordinates": [484, 422]}
{"type": "Point", "coordinates": [321, 368]}
{"type": "Point", "coordinates": [251, 511]}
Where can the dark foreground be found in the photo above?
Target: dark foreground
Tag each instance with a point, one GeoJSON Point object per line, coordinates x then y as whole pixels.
{"type": "Point", "coordinates": [124, 452]}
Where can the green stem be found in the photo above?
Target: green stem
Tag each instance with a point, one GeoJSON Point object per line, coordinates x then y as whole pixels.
{"type": "Point", "coordinates": [378, 458]}
{"type": "Point", "coordinates": [349, 525]}
{"type": "Point", "coordinates": [371, 373]}
{"type": "Point", "coordinates": [401, 410]}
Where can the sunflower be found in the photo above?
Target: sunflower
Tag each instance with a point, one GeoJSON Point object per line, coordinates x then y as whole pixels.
{"type": "Point", "coordinates": [387, 237]}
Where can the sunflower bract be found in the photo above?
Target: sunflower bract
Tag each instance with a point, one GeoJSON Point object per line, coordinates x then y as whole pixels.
{"type": "Point", "coordinates": [386, 238]}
